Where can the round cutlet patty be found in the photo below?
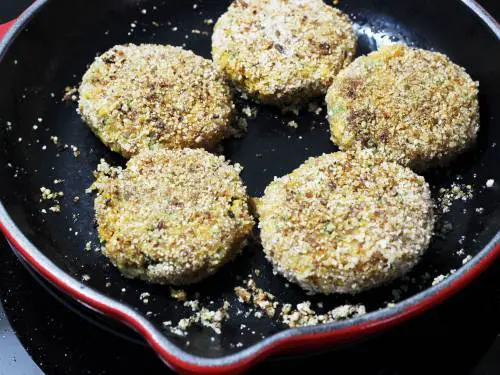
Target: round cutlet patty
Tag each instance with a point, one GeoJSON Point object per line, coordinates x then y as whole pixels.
{"type": "Point", "coordinates": [413, 106]}
{"type": "Point", "coordinates": [282, 52]}
{"type": "Point", "coordinates": [172, 216]}
{"type": "Point", "coordinates": [345, 222]}
{"type": "Point", "coordinates": [137, 97]}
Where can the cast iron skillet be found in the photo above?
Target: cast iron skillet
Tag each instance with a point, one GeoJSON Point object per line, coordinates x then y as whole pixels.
{"type": "Point", "coordinates": [49, 47]}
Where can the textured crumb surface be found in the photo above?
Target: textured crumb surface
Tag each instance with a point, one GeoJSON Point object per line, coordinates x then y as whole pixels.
{"type": "Point", "coordinates": [172, 216]}
{"type": "Point", "coordinates": [415, 107]}
{"type": "Point", "coordinates": [138, 97]}
{"type": "Point", "coordinates": [261, 299]}
{"type": "Point", "coordinates": [303, 315]}
{"type": "Point", "coordinates": [282, 51]}
{"type": "Point", "coordinates": [345, 222]}
{"type": "Point", "coordinates": [200, 316]}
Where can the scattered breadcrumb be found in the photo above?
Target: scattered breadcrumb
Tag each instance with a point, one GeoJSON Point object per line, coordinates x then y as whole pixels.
{"type": "Point", "coordinates": [303, 315]}
{"type": "Point", "coordinates": [194, 305]}
{"type": "Point", "coordinates": [466, 259]}
{"type": "Point", "coordinates": [144, 297]}
{"type": "Point", "coordinates": [442, 277]}
{"type": "Point", "coordinates": [490, 183]}
{"type": "Point", "coordinates": [292, 124]}
{"type": "Point", "coordinates": [75, 151]}
{"type": "Point", "coordinates": [70, 94]}
{"type": "Point", "coordinates": [454, 193]}
{"type": "Point", "coordinates": [56, 208]}
{"type": "Point", "coordinates": [49, 194]}
{"type": "Point", "coordinates": [178, 294]}
{"type": "Point", "coordinates": [261, 299]}
{"type": "Point", "coordinates": [250, 112]}
{"type": "Point", "coordinates": [438, 279]}
{"type": "Point", "coordinates": [207, 318]}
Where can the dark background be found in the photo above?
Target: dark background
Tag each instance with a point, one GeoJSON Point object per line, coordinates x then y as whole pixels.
{"type": "Point", "coordinates": [38, 334]}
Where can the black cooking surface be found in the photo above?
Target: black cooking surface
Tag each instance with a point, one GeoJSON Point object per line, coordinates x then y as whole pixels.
{"type": "Point", "coordinates": [452, 338]}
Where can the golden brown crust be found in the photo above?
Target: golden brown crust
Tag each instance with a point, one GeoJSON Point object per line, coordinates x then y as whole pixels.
{"type": "Point", "coordinates": [282, 52]}
{"type": "Point", "coordinates": [147, 96]}
{"type": "Point", "coordinates": [413, 106]}
{"type": "Point", "coordinates": [345, 222]}
{"type": "Point", "coordinates": [172, 216]}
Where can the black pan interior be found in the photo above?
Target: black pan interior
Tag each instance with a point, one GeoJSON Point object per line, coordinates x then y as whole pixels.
{"type": "Point", "coordinates": [54, 51]}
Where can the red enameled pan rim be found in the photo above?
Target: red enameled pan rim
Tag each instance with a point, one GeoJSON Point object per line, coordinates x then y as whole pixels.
{"type": "Point", "coordinates": [175, 357]}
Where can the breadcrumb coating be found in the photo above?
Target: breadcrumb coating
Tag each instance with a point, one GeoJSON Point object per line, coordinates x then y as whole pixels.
{"type": "Point", "coordinates": [345, 222]}
{"type": "Point", "coordinates": [137, 97]}
{"type": "Point", "coordinates": [413, 106]}
{"type": "Point", "coordinates": [282, 52]}
{"type": "Point", "coordinates": [171, 216]}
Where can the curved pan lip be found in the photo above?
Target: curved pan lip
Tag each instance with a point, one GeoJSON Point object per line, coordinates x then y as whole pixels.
{"type": "Point", "coordinates": [331, 333]}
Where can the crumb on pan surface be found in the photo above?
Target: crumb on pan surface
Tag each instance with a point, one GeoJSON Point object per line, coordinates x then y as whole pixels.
{"type": "Point", "coordinates": [345, 222]}
{"type": "Point", "coordinates": [171, 216]}
{"type": "Point", "coordinates": [415, 107]}
{"type": "Point", "coordinates": [138, 97]}
{"type": "Point", "coordinates": [303, 315]}
{"type": "Point", "coordinates": [282, 52]}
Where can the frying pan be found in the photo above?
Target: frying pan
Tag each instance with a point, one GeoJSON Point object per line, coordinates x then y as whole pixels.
{"type": "Point", "coordinates": [49, 48]}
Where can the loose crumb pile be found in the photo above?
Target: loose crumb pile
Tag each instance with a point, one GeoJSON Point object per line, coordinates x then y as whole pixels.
{"type": "Point", "coordinates": [178, 294]}
{"type": "Point", "coordinates": [48, 194]}
{"type": "Point", "coordinates": [301, 315]}
{"type": "Point", "coordinates": [442, 277]}
{"type": "Point", "coordinates": [454, 193]}
{"type": "Point", "coordinates": [258, 297]}
{"type": "Point", "coordinates": [207, 318]}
